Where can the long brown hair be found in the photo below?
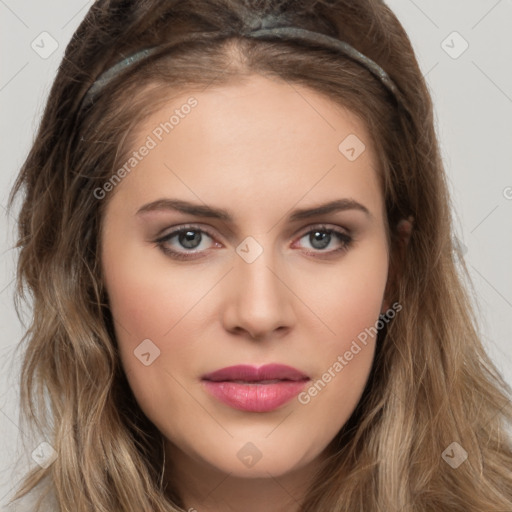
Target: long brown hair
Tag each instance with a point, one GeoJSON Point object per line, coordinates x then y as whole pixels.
{"type": "Point", "coordinates": [431, 385]}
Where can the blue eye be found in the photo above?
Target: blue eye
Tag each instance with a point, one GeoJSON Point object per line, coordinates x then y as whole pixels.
{"type": "Point", "coordinates": [321, 237]}
{"type": "Point", "coordinates": [189, 240]}
{"type": "Point", "coordinates": [188, 237]}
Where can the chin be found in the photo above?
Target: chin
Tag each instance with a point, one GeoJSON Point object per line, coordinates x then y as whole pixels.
{"type": "Point", "coordinates": [259, 459]}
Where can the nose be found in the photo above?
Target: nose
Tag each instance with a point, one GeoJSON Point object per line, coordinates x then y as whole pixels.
{"type": "Point", "coordinates": [259, 302]}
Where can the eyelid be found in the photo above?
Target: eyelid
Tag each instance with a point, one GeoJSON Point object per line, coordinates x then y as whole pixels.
{"type": "Point", "coordinates": [322, 226]}
{"type": "Point", "coordinates": [174, 230]}
{"type": "Point", "coordinates": [344, 236]}
{"type": "Point", "coordinates": [340, 232]}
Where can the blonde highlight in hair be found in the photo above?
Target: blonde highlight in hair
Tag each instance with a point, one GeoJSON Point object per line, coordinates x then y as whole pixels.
{"type": "Point", "coordinates": [432, 382]}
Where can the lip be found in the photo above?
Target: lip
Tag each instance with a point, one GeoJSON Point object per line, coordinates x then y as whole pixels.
{"type": "Point", "coordinates": [255, 389]}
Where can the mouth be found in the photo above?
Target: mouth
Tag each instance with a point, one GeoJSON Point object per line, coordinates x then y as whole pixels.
{"type": "Point", "coordinates": [253, 389]}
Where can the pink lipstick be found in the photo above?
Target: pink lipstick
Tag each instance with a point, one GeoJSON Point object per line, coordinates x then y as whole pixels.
{"type": "Point", "coordinates": [253, 389]}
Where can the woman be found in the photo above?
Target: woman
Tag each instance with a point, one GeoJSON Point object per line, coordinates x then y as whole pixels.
{"type": "Point", "coordinates": [247, 297]}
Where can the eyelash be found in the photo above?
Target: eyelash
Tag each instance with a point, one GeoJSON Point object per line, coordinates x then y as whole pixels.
{"type": "Point", "coordinates": [345, 239]}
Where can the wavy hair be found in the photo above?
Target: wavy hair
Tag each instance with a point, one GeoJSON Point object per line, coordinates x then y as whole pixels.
{"type": "Point", "coordinates": [432, 383]}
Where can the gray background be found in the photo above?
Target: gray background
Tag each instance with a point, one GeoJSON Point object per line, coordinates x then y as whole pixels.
{"type": "Point", "coordinates": [472, 93]}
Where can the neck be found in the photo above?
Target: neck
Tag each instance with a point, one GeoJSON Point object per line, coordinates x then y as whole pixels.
{"type": "Point", "coordinates": [204, 488]}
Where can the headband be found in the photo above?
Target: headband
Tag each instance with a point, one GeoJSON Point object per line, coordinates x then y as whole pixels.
{"type": "Point", "coordinates": [267, 28]}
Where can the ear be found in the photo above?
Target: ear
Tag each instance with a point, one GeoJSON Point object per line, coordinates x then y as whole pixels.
{"type": "Point", "coordinates": [400, 237]}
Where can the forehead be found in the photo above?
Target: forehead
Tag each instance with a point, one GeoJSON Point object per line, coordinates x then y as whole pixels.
{"type": "Point", "coordinates": [260, 140]}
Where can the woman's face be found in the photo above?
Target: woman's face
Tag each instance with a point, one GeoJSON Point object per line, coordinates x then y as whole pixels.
{"type": "Point", "coordinates": [257, 277]}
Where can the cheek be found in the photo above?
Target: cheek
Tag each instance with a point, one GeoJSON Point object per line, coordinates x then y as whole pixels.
{"type": "Point", "coordinates": [146, 296]}
{"type": "Point", "coordinates": [348, 297]}
{"type": "Point", "coordinates": [151, 298]}
{"type": "Point", "coordinates": [148, 302]}
{"type": "Point", "coordinates": [350, 308]}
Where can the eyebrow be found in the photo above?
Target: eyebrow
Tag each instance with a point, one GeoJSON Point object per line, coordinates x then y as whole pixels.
{"type": "Point", "coordinates": [224, 215]}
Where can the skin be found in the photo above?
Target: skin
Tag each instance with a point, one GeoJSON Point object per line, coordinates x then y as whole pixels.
{"type": "Point", "coordinates": [259, 149]}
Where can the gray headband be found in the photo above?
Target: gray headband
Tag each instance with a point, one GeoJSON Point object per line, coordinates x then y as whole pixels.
{"type": "Point", "coordinates": [260, 28]}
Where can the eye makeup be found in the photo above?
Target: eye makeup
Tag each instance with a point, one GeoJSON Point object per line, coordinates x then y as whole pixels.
{"type": "Point", "coordinates": [344, 239]}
